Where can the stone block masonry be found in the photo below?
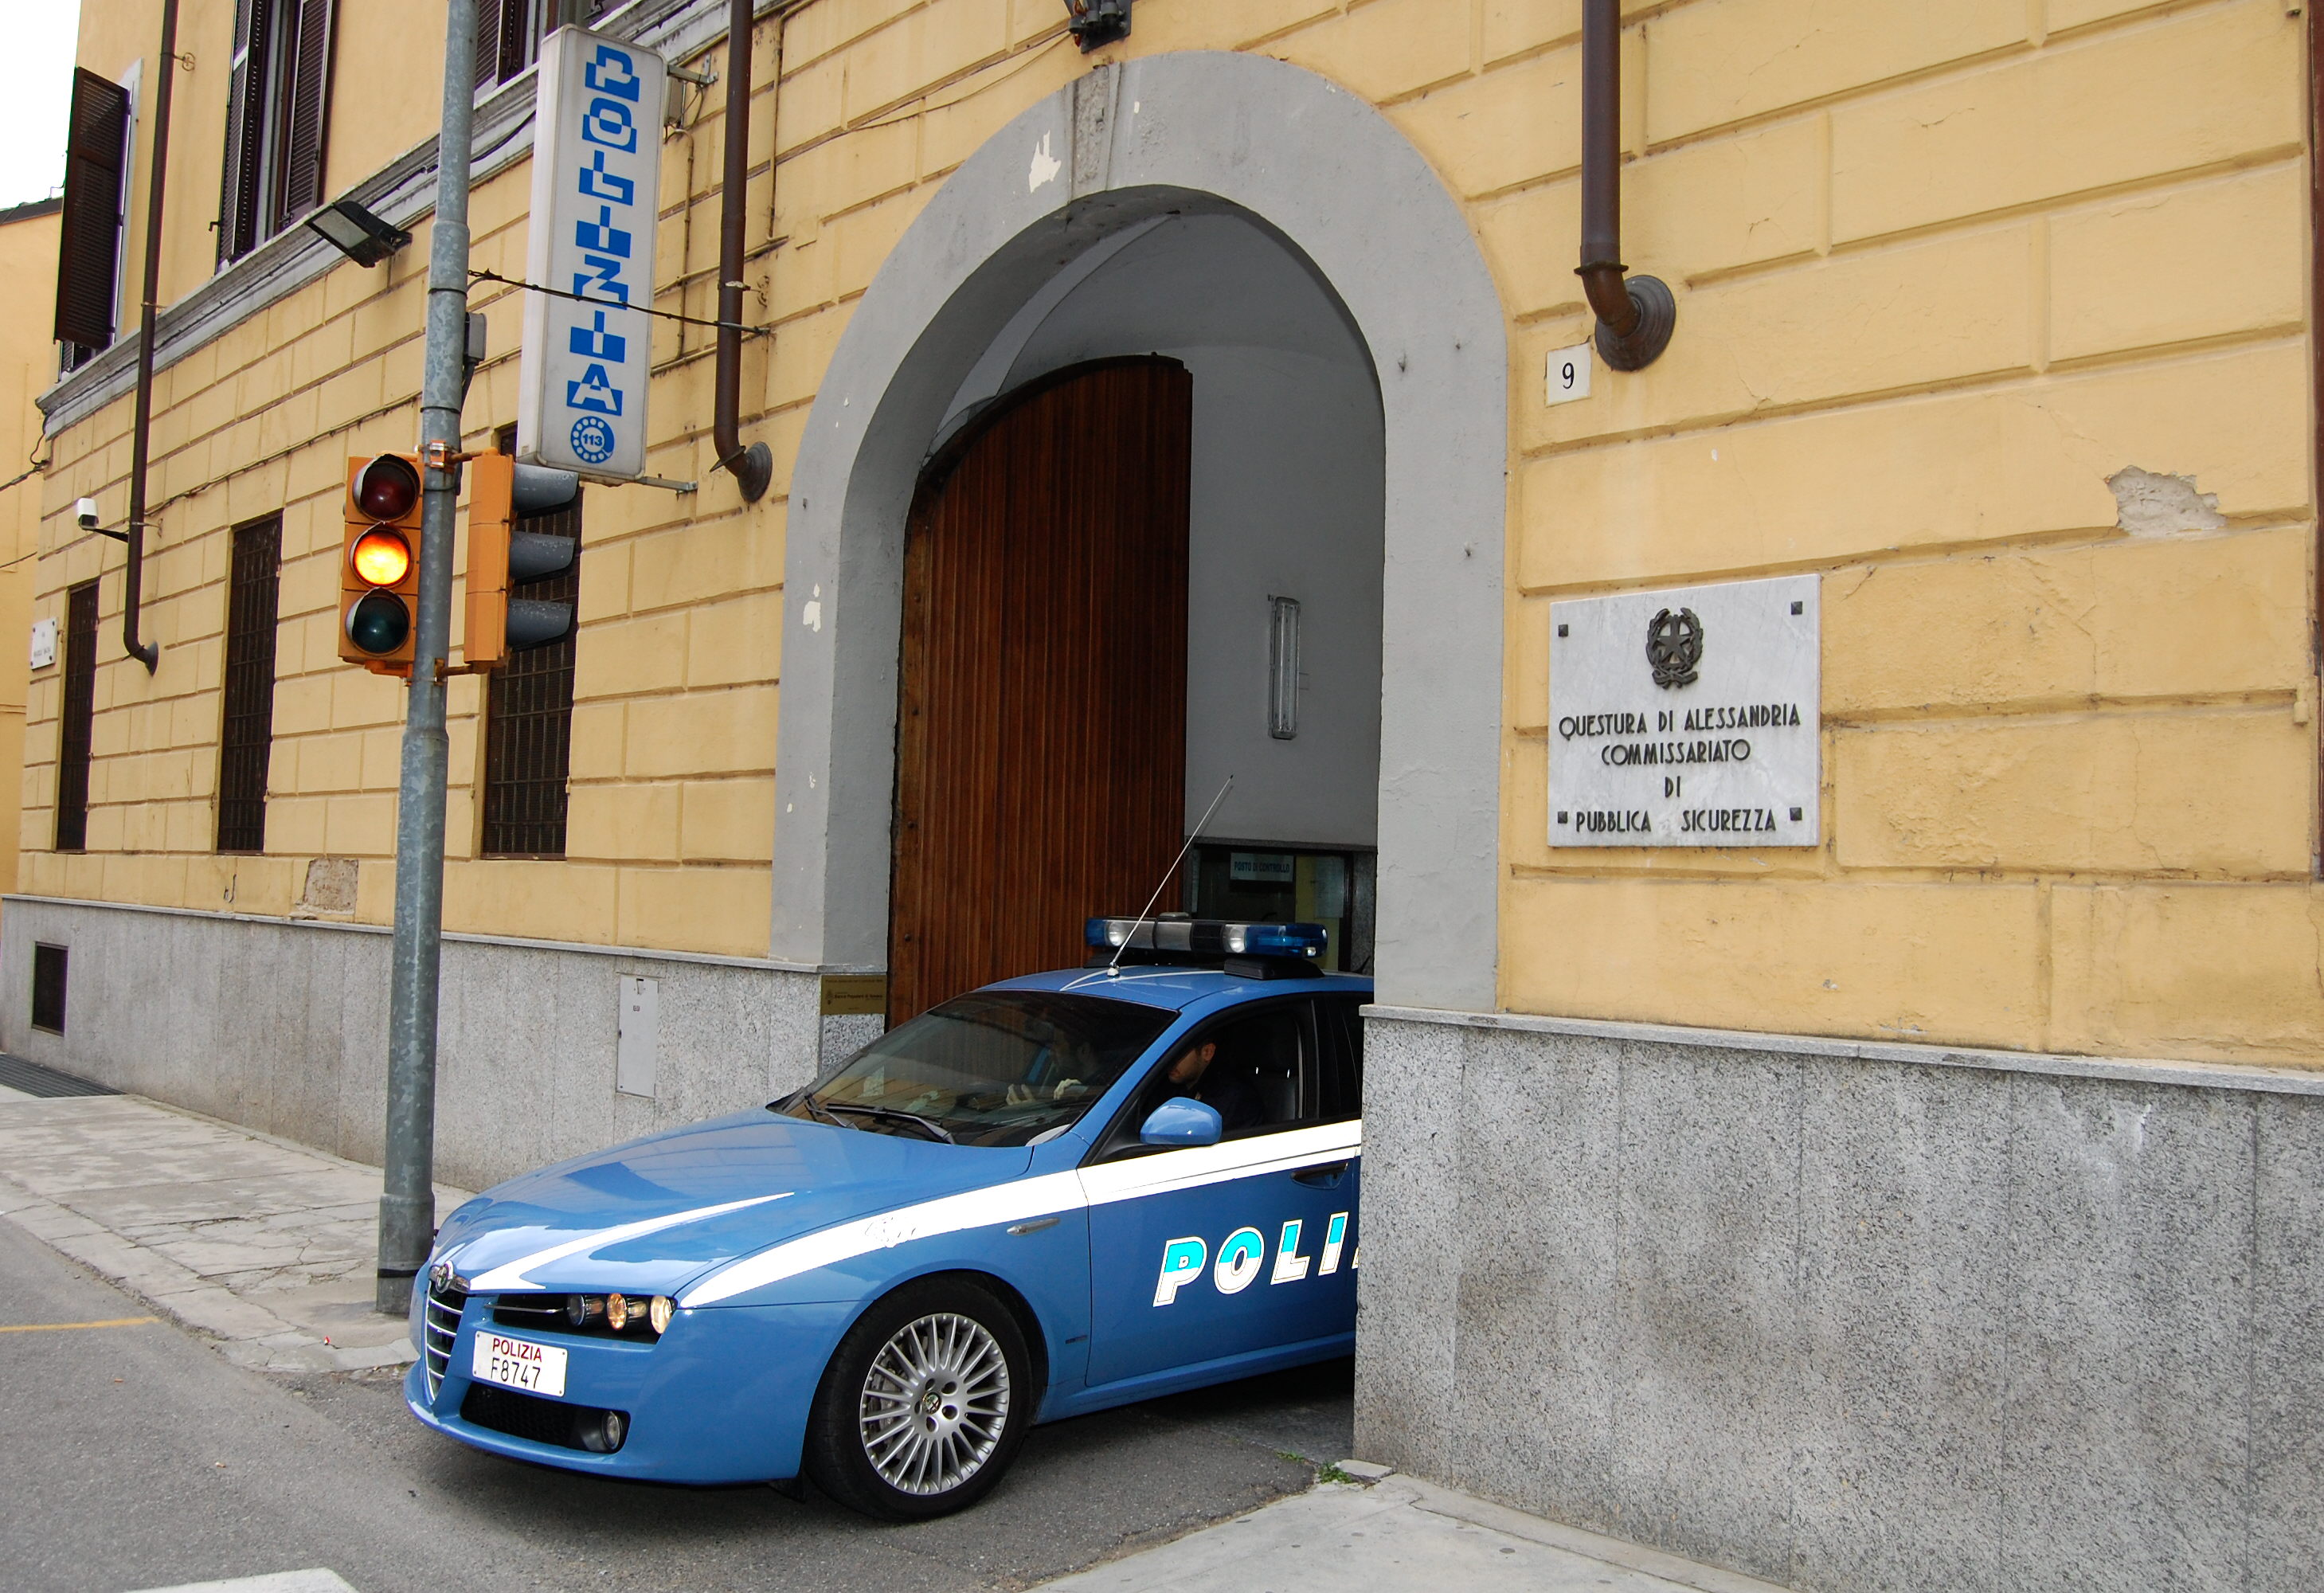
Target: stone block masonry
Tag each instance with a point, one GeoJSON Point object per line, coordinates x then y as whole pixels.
{"type": "Point", "coordinates": [282, 1026]}
{"type": "Point", "coordinates": [1851, 1317]}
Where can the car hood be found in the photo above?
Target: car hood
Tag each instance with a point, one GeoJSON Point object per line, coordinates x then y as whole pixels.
{"type": "Point", "coordinates": [649, 1216]}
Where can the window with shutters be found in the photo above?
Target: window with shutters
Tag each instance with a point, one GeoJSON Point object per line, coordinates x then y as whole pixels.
{"type": "Point", "coordinates": [278, 113]}
{"type": "Point", "coordinates": [76, 717]}
{"type": "Point", "coordinates": [246, 737]}
{"type": "Point", "coordinates": [89, 254]}
{"type": "Point", "coordinates": [509, 33]}
{"type": "Point", "coordinates": [528, 713]}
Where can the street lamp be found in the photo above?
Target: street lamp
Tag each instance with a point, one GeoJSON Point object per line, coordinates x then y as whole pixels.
{"type": "Point", "coordinates": [355, 232]}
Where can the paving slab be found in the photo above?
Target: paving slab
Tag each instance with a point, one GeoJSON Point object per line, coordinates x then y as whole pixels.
{"type": "Point", "coordinates": [266, 1246]}
{"type": "Point", "coordinates": [1397, 1534]}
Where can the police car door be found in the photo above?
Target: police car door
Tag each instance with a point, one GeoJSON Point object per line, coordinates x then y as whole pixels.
{"type": "Point", "coordinates": [1234, 1248]}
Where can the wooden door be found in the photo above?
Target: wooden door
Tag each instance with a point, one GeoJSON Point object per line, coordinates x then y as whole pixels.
{"type": "Point", "coordinates": [1041, 725]}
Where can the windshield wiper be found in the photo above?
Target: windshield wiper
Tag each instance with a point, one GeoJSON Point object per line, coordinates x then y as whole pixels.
{"type": "Point", "coordinates": [806, 1098]}
{"type": "Point", "coordinates": [933, 1129]}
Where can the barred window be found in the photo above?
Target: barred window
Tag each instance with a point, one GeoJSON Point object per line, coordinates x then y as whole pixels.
{"type": "Point", "coordinates": [529, 717]}
{"type": "Point", "coordinates": [246, 736]}
{"type": "Point", "coordinates": [77, 718]}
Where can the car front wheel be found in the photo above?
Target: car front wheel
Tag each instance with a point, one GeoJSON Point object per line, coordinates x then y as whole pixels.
{"type": "Point", "coordinates": [923, 1405]}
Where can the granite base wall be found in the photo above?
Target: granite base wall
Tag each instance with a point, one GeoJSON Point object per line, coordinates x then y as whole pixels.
{"type": "Point", "coordinates": [1852, 1317]}
{"type": "Point", "coordinates": [282, 1026]}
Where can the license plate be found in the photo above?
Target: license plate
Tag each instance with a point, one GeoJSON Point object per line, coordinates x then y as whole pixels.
{"type": "Point", "coordinates": [519, 1363]}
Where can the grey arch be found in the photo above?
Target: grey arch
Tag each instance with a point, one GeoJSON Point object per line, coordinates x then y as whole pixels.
{"type": "Point", "coordinates": [1169, 133]}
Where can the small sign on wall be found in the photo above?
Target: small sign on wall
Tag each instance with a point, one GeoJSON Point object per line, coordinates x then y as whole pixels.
{"type": "Point", "coordinates": [44, 642]}
{"type": "Point", "coordinates": [1569, 373]}
{"type": "Point", "coordinates": [1263, 868]}
{"type": "Point", "coordinates": [1690, 717]}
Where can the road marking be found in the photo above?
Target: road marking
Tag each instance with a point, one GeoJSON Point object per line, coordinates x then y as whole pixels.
{"type": "Point", "coordinates": [117, 1321]}
{"type": "Point", "coordinates": [319, 1580]}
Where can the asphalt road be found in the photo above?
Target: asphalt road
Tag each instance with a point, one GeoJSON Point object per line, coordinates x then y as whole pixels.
{"type": "Point", "coordinates": [138, 1457]}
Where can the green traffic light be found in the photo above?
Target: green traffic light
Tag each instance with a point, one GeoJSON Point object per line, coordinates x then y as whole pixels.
{"type": "Point", "coordinates": [379, 623]}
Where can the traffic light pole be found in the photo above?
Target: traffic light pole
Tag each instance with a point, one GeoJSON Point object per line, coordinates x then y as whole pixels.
{"type": "Point", "coordinates": [407, 1204]}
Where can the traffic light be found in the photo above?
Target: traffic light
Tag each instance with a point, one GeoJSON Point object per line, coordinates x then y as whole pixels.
{"type": "Point", "coordinates": [499, 555]}
{"type": "Point", "coordinates": [379, 567]}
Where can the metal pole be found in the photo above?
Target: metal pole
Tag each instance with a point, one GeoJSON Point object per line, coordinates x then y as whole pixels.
{"type": "Point", "coordinates": [407, 1206]}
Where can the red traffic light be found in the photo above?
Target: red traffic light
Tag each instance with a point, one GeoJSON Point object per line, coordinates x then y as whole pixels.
{"type": "Point", "coordinates": [387, 488]}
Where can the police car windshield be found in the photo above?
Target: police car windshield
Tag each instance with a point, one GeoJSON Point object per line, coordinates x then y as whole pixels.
{"type": "Point", "coordinates": [998, 1067]}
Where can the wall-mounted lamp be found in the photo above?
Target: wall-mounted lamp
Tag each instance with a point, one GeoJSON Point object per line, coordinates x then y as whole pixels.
{"type": "Point", "coordinates": [1098, 22]}
{"type": "Point", "coordinates": [355, 232]}
{"type": "Point", "coordinates": [1283, 668]}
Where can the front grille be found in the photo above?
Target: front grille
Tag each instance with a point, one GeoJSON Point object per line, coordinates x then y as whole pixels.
{"type": "Point", "coordinates": [439, 1325]}
{"type": "Point", "coordinates": [545, 1420]}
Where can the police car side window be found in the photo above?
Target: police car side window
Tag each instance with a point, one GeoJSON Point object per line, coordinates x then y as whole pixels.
{"type": "Point", "coordinates": [1343, 1060]}
{"type": "Point", "coordinates": [1265, 1076]}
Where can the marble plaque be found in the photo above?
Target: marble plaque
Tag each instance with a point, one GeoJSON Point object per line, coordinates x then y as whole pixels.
{"type": "Point", "coordinates": [1687, 717]}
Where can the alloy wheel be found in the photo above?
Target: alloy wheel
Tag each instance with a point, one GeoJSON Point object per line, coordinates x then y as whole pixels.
{"type": "Point", "coordinates": [934, 1404]}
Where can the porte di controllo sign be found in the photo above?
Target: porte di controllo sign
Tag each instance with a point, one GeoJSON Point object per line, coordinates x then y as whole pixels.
{"type": "Point", "coordinates": [1690, 717]}
{"type": "Point", "coordinates": [597, 180]}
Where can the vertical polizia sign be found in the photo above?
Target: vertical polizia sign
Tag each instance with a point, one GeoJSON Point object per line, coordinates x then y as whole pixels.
{"type": "Point", "coordinates": [597, 182]}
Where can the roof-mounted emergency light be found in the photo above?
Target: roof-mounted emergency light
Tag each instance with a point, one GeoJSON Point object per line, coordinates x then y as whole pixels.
{"type": "Point", "coordinates": [1207, 937]}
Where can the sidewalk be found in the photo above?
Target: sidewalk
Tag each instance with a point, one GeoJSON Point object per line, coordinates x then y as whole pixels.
{"type": "Point", "coordinates": [1389, 1533]}
{"type": "Point", "coordinates": [268, 1247]}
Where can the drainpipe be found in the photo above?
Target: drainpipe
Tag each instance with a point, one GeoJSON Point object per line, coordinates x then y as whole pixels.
{"type": "Point", "coordinates": [140, 427]}
{"type": "Point", "coordinates": [1635, 317]}
{"type": "Point", "coordinates": [753, 466]}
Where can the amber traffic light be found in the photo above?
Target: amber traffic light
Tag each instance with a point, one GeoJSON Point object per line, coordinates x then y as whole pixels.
{"type": "Point", "coordinates": [379, 564]}
{"type": "Point", "coordinates": [500, 555]}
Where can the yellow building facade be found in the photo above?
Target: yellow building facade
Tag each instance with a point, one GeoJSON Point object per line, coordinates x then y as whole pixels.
{"type": "Point", "coordinates": [28, 257]}
{"type": "Point", "coordinates": [1994, 316]}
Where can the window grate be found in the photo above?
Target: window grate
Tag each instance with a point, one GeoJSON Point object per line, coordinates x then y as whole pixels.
{"type": "Point", "coordinates": [49, 965]}
{"type": "Point", "coordinates": [528, 720]}
{"type": "Point", "coordinates": [246, 738]}
{"type": "Point", "coordinates": [75, 720]}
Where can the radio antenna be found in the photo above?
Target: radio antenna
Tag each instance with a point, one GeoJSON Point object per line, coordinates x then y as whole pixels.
{"type": "Point", "coordinates": [1115, 966]}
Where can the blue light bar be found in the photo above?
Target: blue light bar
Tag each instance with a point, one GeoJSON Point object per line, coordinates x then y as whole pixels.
{"type": "Point", "coordinates": [1207, 937]}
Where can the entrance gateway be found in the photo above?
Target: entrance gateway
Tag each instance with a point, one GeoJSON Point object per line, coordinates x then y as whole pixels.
{"type": "Point", "coordinates": [1283, 243]}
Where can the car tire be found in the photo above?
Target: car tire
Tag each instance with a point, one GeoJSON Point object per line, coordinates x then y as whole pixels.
{"type": "Point", "coordinates": [923, 1405]}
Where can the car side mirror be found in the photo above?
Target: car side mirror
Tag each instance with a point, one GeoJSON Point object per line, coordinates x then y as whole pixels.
{"type": "Point", "coordinates": [1181, 1122]}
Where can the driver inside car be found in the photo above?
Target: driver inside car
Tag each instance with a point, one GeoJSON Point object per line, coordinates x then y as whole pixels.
{"type": "Point", "coordinates": [1227, 1091]}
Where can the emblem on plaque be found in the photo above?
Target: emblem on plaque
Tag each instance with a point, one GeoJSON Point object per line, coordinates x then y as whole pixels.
{"type": "Point", "coordinates": [1673, 647]}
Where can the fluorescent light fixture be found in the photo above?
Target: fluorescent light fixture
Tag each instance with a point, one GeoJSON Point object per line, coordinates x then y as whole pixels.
{"type": "Point", "coordinates": [1283, 668]}
{"type": "Point", "coordinates": [355, 232]}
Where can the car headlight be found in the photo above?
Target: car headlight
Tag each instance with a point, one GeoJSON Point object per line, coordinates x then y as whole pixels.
{"type": "Point", "coordinates": [660, 1312]}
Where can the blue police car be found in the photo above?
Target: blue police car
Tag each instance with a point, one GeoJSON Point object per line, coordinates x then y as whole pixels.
{"type": "Point", "coordinates": [1051, 1195]}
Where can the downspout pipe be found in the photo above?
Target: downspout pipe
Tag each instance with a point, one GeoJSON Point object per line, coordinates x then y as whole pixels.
{"type": "Point", "coordinates": [753, 466]}
{"type": "Point", "coordinates": [140, 425]}
{"type": "Point", "coordinates": [1635, 317]}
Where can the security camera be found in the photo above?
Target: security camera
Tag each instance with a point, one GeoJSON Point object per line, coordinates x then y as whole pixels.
{"type": "Point", "coordinates": [85, 512]}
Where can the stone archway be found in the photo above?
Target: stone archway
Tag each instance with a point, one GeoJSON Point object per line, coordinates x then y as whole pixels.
{"type": "Point", "coordinates": [1169, 135]}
